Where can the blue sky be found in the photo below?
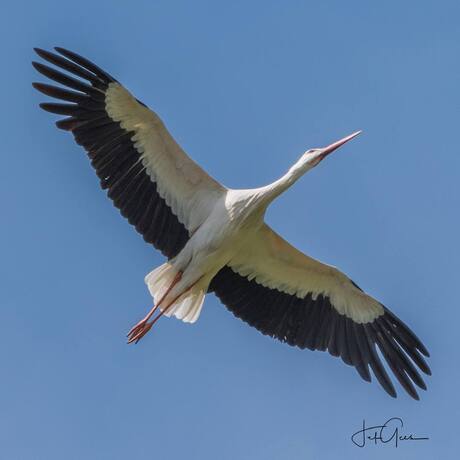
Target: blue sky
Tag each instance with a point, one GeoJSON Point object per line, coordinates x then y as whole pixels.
{"type": "Point", "coordinates": [245, 87]}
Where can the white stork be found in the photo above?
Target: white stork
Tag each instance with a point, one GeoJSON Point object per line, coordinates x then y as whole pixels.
{"type": "Point", "coordinates": [215, 238]}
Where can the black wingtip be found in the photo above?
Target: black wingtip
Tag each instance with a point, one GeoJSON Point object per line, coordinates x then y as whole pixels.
{"type": "Point", "coordinates": [41, 52]}
{"type": "Point", "coordinates": [36, 65]}
{"type": "Point", "coordinates": [424, 351]}
{"type": "Point", "coordinates": [62, 50]}
{"type": "Point", "coordinates": [422, 385]}
{"type": "Point", "coordinates": [393, 393]}
{"type": "Point", "coordinates": [47, 56]}
{"type": "Point", "coordinates": [68, 124]}
{"type": "Point", "coordinates": [409, 387]}
{"type": "Point", "coordinates": [389, 390]}
{"type": "Point", "coordinates": [363, 371]}
{"type": "Point", "coordinates": [42, 68]}
{"type": "Point", "coordinates": [85, 63]}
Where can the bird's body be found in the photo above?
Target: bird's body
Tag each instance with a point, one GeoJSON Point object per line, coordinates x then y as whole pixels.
{"type": "Point", "coordinates": [216, 239]}
{"type": "Point", "coordinates": [228, 230]}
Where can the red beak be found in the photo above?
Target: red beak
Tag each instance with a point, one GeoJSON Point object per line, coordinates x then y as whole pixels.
{"type": "Point", "coordinates": [330, 148]}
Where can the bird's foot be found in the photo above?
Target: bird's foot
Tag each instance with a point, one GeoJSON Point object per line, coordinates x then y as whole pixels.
{"type": "Point", "coordinates": [143, 326]}
{"type": "Point", "coordinates": [139, 330]}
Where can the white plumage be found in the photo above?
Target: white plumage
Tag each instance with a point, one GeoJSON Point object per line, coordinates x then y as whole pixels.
{"type": "Point", "coordinates": [186, 188]}
{"type": "Point", "coordinates": [216, 239]}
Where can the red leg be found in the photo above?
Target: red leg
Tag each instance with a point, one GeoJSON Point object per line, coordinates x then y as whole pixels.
{"type": "Point", "coordinates": [137, 335]}
{"type": "Point", "coordinates": [142, 327]}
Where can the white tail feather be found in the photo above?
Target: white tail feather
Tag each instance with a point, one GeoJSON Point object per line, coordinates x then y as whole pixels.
{"type": "Point", "coordinates": [159, 280]}
{"type": "Point", "coordinates": [188, 306]}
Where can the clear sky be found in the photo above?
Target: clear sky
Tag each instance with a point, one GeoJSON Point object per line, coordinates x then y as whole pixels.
{"type": "Point", "coordinates": [245, 87]}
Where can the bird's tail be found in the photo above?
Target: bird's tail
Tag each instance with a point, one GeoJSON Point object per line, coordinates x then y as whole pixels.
{"type": "Point", "coordinates": [186, 306]}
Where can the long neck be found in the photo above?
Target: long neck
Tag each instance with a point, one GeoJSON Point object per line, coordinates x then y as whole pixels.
{"type": "Point", "coordinates": [273, 190]}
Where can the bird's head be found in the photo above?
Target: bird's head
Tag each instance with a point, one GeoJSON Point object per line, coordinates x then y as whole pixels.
{"type": "Point", "coordinates": [314, 156]}
{"type": "Point", "coordinates": [305, 163]}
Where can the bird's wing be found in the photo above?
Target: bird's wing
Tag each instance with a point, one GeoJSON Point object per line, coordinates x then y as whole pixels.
{"type": "Point", "coordinates": [285, 294]}
{"type": "Point", "coordinates": [161, 191]}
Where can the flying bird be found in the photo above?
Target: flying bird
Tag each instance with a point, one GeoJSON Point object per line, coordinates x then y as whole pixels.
{"type": "Point", "coordinates": [215, 238]}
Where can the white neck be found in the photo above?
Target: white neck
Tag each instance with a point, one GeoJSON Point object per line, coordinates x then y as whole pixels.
{"type": "Point", "coordinates": [273, 190]}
